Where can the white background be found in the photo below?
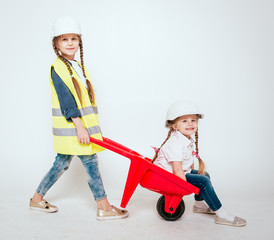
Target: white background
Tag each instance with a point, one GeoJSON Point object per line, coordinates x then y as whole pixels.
{"type": "Point", "coordinates": [143, 56]}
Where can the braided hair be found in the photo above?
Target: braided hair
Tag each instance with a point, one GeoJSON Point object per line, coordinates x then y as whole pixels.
{"type": "Point", "coordinates": [168, 136]}
{"type": "Point", "coordinates": [201, 162]}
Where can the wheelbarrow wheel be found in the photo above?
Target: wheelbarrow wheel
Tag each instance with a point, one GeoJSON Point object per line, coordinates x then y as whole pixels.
{"type": "Point", "coordinates": [168, 216]}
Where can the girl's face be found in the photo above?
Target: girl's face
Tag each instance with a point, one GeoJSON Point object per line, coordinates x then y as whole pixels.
{"type": "Point", "coordinates": [68, 45]}
{"type": "Point", "coordinates": [187, 125]}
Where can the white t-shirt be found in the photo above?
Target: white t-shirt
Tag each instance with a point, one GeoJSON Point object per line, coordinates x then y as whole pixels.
{"type": "Point", "coordinates": [79, 71]}
{"type": "Point", "coordinates": [177, 148]}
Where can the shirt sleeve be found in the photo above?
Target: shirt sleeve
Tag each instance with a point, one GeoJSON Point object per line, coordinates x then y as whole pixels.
{"type": "Point", "coordinates": [67, 101]}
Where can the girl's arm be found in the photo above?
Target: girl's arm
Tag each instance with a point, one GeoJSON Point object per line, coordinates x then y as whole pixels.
{"type": "Point", "coordinates": [82, 133]}
{"type": "Point", "coordinates": [67, 102]}
{"type": "Point", "coordinates": [69, 107]}
{"type": "Point", "coordinates": [178, 170]}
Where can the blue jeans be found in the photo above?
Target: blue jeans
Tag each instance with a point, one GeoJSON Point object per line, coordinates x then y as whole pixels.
{"type": "Point", "coordinates": [62, 163]}
{"type": "Point", "coordinates": [207, 192]}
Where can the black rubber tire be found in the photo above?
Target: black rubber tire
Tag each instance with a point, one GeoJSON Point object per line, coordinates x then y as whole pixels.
{"type": "Point", "coordinates": [167, 216]}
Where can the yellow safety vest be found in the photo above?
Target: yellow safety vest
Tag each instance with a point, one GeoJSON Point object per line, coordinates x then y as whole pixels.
{"type": "Point", "coordinates": [65, 140]}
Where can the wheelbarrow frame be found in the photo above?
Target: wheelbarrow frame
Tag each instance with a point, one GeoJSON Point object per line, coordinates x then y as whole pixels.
{"type": "Point", "coordinates": [142, 171]}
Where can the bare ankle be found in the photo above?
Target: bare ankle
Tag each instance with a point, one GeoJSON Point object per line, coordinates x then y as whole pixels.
{"type": "Point", "coordinates": [104, 204]}
{"type": "Point", "coordinates": [37, 197]}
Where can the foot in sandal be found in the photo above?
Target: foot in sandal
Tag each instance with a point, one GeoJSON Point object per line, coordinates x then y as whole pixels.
{"type": "Point", "coordinates": [236, 222]}
{"type": "Point", "coordinates": [42, 206]}
{"type": "Point", "coordinates": [224, 218]}
{"type": "Point", "coordinates": [202, 207]}
{"type": "Point", "coordinates": [114, 213]}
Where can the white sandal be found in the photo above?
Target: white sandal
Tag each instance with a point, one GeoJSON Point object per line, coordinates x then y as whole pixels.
{"type": "Point", "coordinates": [206, 210]}
{"type": "Point", "coordinates": [237, 222]}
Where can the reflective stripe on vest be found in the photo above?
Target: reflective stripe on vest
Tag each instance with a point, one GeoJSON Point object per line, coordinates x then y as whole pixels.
{"type": "Point", "coordinates": [71, 132]}
{"type": "Point", "coordinates": [56, 112]}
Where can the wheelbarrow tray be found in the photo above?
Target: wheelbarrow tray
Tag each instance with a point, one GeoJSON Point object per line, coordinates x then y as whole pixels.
{"type": "Point", "coordinates": [149, 176]}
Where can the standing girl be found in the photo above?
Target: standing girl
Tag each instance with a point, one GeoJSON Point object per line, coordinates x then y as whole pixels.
{"type": "Point", "coordinates": [177, 154]}
{"type": "Point", "coordinates": [75, 118]}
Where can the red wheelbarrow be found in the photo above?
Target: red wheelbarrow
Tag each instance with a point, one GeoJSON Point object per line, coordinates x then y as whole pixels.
{"type": "Point", "coordinates": [170, 205]}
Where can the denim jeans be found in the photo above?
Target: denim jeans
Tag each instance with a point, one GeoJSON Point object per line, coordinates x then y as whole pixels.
{"type": "Point", "coordinates": [62, 163]}
{"type": "Point", "coordinates": [207, 192]}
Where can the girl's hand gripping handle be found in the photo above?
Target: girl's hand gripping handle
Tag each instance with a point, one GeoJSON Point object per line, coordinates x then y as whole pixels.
{"type": "Point", "coordinates": [82, 133]}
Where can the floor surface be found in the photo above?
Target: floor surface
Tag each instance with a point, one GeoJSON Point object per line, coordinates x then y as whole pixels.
{"type": "Point", "coordinates": [76, 220]}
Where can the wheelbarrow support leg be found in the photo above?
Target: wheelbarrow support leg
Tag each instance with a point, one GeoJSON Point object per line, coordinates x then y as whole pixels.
{"type": "Point", "coordinates": [136, 172]}
{"type": "Point", "coordinates": [172, 202]}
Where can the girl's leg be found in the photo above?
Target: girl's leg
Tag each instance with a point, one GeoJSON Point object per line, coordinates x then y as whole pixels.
{"type": "Point", "coordinates": [105, 210]}
{"type": "Point", "coordinates": [60, 165]}
{"type": "Point", "coordinates": [94, 178]}
{"type": "Point", "coordinates": [199, 196]}
{"type": "Point", "coordinates": [207, 192]}
{"type": "Point", "coordinates": [37, 202]}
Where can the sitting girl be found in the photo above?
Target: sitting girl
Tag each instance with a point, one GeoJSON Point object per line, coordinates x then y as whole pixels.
{"type": "Point", "coordinates": [177, 154]}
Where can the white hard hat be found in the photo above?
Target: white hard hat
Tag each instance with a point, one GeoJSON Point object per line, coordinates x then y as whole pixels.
{"type": "Point", "coordinates": [65, 25]}
{"type": "Point", "coordinates": [181, 108]}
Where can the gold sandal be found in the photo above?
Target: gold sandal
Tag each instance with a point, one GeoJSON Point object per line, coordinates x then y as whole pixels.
{"type": "Point", "coordinates": [42, 206]}
{"type": "Point", "coordinates": [114, 213]}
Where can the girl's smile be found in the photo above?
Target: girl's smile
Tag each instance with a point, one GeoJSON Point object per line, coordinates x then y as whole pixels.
{"type": "Point", "coordinates": [68, 45]}
{"type": "Point", "coordinates": [187, 125]}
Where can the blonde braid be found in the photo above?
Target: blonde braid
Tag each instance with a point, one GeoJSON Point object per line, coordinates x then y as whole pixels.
{"type": "Point", "coordinates": [74, 81]}
{"type": "Point", "coordinates": [89, 86]}
{"type": "Point", "coordinates": [168, 136]}
{"type": "Point", "coordinates": [201, 162]}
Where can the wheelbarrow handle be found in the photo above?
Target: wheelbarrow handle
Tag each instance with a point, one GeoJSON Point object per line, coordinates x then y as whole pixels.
{"type": "Point", "coordinates": [116, 147]}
